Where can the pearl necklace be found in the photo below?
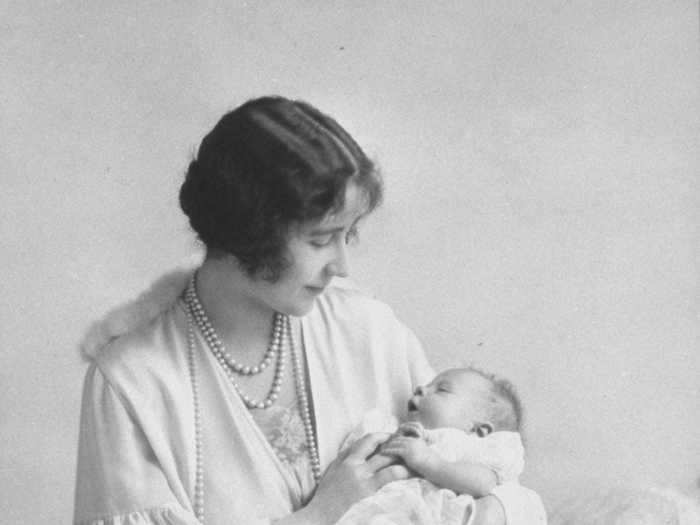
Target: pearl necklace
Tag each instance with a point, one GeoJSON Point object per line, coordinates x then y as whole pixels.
{"type": "Point", "coordinates": [304, 406]}
{"type": "Point", "coordinates": [229, 364]}
{"type": "Point", "coordinates": [305, 409]}
{"type": "Point", "coordinates": [198, 503]}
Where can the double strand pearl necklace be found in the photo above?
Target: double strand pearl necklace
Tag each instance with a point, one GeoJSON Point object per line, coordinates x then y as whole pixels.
{"type": "Point", "coordinates": [193, 306]}
{"type": "Point", "coordinates": [229, 364]}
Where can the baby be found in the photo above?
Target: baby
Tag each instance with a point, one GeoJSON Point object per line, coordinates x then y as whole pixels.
{"type": "Point", "coordinates": [461, 440]}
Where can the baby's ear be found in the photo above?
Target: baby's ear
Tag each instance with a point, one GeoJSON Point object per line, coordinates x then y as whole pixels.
{"type": "Point", "coordinates": [483, 429]}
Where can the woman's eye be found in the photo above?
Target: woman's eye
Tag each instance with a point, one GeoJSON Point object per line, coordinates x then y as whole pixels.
{"type": "Point", "coordinates": [320, 242]}
{"type": "Point", "coordinates": [353, 235]}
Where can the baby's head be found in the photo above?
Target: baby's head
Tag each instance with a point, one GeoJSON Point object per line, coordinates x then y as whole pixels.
{"type": "Point", "coordinates": [469, 399]}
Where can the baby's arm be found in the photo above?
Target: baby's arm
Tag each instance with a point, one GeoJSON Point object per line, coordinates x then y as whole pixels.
{"type": "Point", "coordinates": [462, 477]}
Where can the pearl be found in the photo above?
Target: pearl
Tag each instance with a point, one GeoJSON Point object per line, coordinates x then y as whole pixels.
{"type": "Point", "coordinates": [305, 409]}
{"type": "Point", "coordinates": [199, 463]}
{"type": "Point", "coordinates": [217, 346]}
{"type": "Point", "coordinates": [228, 363]}
{"type": "Point", "coordinates": [281, 330]}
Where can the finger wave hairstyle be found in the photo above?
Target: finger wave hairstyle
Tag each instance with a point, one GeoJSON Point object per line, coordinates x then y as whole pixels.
{"type": "Point", "coordinates": [266, 166]}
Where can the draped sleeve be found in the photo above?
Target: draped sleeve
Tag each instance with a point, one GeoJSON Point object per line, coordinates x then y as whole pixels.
{"type": "Point", "coordinates": [119, 480]}
{"type": "Point", "coordinates": [521, 505]}
{"type": "Point", "coordinates": [500, 451]}
{"type": "Point", "coordinates": [504, 454]}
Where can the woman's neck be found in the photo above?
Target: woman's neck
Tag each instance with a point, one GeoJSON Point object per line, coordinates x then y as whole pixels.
{"type": "Point", "coordinates": [242, 322]}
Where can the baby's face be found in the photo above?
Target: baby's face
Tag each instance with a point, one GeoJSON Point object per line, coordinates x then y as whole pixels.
{"type": "Point", "coordinates": [453, 399]}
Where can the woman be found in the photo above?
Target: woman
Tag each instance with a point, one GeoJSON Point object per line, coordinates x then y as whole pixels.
{"type": "Point", "coordinates": [230, 405]}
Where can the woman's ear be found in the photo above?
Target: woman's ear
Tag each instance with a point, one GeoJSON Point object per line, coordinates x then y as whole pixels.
{"type": "Point", "coordinates": [483, 429]}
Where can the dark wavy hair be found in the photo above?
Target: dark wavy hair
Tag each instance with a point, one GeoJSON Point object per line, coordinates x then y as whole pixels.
{"type": "Point", "coordinates": [267, 165]}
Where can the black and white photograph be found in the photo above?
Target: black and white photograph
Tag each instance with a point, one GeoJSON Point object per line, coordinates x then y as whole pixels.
{"type": "Point", "coordinates": [383, 262]}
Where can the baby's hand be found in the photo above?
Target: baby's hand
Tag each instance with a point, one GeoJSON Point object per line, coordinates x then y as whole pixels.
{"type": "Point", "coordinates": [414, 451]}
{"type": "Point", "coordinates": [411, 429]}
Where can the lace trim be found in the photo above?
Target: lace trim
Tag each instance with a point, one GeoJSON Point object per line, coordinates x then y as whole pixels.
{"type": "Point", "coordinates": [284, 430]}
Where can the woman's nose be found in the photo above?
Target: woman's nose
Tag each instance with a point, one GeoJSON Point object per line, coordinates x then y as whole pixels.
{"type": "Point", "coordinates": [338, 267]}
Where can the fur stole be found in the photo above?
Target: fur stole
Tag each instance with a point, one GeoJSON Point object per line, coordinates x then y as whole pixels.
{"type": "Point", "coordinates": [137, 312]}
{"type": "Point", "coordinates": [151, 303]}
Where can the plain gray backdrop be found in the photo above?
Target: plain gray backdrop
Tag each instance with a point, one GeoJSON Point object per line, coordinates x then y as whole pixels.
{"type": "Point", "coordinates": [541, 167]}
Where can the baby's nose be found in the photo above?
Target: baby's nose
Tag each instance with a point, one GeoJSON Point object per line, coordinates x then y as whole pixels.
{"type": "Point", "coordinates": [419, 391]}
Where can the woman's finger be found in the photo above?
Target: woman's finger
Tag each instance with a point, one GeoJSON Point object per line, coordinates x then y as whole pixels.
{"type": "Point", "coordinates": [394, 442]}
{"type": "Point", "coordinates": [379, 461]}
{"type": "Point", "coordinates": [392, 473]}
{"type": "Point", "coordinates": [393, 450]}
{"type": "Point", "coordinates": [366, 446]}
{"type": "Point", "coordinates": [398, 440]}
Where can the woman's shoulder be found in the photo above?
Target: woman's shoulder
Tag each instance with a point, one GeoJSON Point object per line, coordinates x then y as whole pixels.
{"type": "Point", "coordinates": [147, 353]}
{"type": "Point", "coordinates": [147, 336]}
{"type": "Point", "coordinates": [348, 314]}
{"type": "Point", "coordinates": [351, 319]}
{"type": "Point", "coordinates": [346, 299]}
{"type": "Point", "coordinates": [138, 335]}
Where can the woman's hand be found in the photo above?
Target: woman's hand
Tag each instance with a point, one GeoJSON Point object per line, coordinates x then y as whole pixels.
{"type": "Point", "coordinates": [356, 474]}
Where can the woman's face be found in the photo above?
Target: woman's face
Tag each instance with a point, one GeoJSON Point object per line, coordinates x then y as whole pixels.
{"type": "Point", "coordinates": [317, 252]}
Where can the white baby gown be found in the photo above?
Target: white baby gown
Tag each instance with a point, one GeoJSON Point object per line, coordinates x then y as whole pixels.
{"type": "Point", "coordinates": [417, 501]}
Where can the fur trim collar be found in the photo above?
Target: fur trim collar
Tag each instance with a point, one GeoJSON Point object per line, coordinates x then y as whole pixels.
{"type": "Point", "coordinates": [137, 312]}
{"type": "Point", "coordinates": [149, 305]}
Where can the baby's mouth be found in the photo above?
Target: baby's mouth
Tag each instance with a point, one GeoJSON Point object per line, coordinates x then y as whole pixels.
{"type": "Point", "coordinates": [412, 407]}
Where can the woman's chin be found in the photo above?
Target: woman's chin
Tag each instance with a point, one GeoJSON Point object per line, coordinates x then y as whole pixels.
{"type": "Point", "coordinates": [299, 309]}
